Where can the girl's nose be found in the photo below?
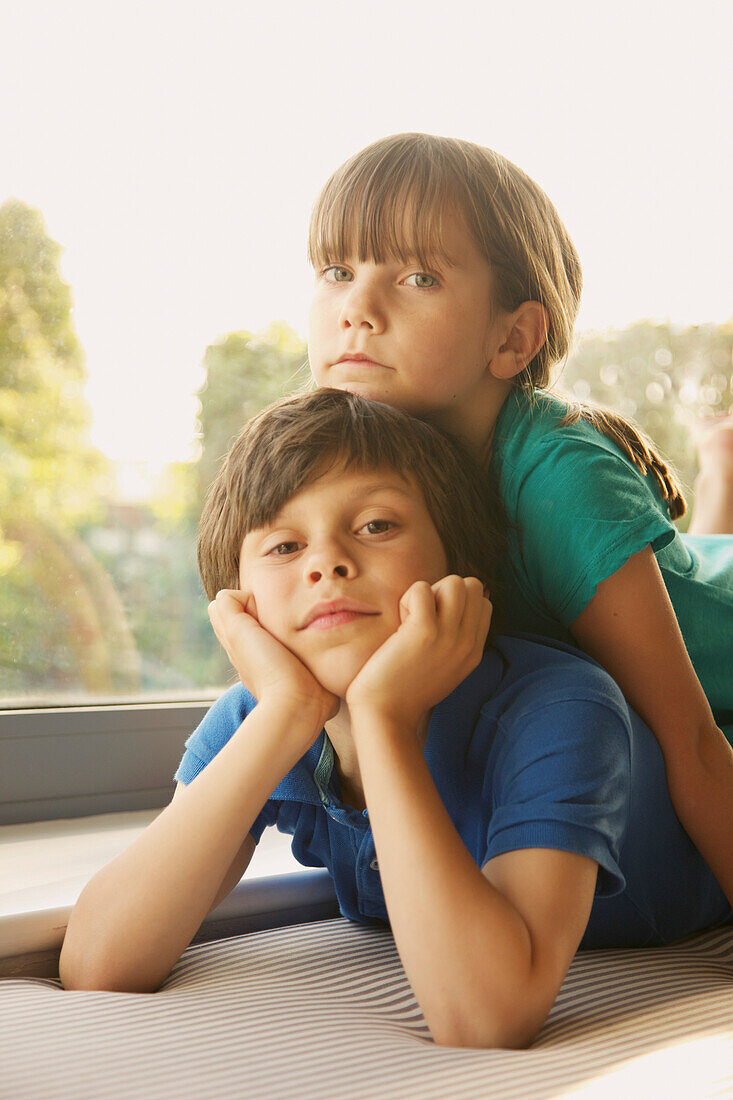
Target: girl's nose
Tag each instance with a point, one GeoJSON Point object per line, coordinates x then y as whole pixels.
{"type": "Point", "coordinates": [363, 308]}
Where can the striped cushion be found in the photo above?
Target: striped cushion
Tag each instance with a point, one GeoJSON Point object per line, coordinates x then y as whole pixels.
{"type": "Point", "coordinates": [325, 1009]}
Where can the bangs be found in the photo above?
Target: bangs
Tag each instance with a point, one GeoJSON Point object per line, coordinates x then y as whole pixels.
{"type": "Point", "coordinates": [266, 491]}
{"type": "Point", "coordinates": [386, 203]}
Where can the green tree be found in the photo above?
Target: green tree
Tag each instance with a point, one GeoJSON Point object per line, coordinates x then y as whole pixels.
{"type": "Point", "coordinates": [244, 373]}
{"type": "Point", "coordinates": [62, 623]}
{"type": "Point", "coordinates": [662, 377]}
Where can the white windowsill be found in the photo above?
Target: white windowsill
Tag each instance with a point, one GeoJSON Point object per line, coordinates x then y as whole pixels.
{"type": "Point", "coordinates": [45, 865]}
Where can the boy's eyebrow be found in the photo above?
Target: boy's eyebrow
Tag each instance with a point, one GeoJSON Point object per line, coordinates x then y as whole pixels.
{"type": "Point", "coordinates": [381, 487]}
{"type": "Point", "coordinates": [378, 487]}
{"type": "Point", "coordinates": [408, 491]}
{"type": "Point", "coordinates": [371, 490]}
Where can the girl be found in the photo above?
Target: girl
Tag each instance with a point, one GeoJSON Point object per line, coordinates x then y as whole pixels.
{"type": "Point", "coordinates": [447, 285]}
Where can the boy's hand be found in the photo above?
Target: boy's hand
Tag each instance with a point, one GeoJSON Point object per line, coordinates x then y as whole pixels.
{"type": "Point", "coordinates": [440, 640]}
{"type": "Point", "coordinates": [266, 666]}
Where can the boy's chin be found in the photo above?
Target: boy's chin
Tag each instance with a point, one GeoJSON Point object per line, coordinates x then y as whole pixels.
{"type": "Point", "coordinates": [336, 680]}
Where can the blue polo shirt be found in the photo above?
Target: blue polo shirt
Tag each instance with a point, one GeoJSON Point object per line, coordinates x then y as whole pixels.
{"type": "Point", "coordinates": [537, 748]}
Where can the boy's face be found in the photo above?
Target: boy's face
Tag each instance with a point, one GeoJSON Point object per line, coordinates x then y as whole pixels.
{"type": "Point", "coordinates": [328, 573]}
{"type": "Point", "coordinates": [420, 340]}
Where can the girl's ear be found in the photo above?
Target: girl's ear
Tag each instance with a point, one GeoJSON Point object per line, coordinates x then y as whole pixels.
{"type": "Point", "coordinates": [524, 333]}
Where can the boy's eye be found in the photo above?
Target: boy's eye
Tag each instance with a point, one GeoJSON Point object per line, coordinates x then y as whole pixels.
{"type": "Point", "coordinates": [377, 526]}
{"type": "Point", "coordinates": [422, 280]}
{"type": "Point", "coordinates": [336, 274]}
{"type": "Point", "coordinates": [283, 548]}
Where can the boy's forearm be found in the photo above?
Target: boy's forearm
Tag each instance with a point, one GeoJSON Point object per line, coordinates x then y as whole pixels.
{"type": "Point", "coordinates": [466, 950]}
{"type": "Point", "coordinates": [139, 913]}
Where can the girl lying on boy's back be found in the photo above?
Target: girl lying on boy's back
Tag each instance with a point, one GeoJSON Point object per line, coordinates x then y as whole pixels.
{"type": "Point", "coordinates": [447, 285]}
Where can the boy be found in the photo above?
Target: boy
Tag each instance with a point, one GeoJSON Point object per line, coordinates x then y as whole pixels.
{"type": "Point", "coordinates": [499, 808]}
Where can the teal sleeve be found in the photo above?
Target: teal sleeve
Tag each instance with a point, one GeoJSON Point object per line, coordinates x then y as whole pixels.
{"type": "Point", "coordinates": [582, 510]}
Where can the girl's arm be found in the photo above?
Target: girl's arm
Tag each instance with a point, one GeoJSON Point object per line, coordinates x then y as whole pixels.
{"type": "Point", "coordinates": [630, 628]}
{"type": "Point", "coordinates": [485, 952]}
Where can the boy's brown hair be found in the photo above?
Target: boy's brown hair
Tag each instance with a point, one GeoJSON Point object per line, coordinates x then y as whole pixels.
{"type": "Point", "coordinates": [388, 200]}
{"type": "Point", "coordinates": [293, 442]}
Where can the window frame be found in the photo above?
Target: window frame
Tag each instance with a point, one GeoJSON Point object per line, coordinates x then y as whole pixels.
{"type": "Point", "coordinates": [96, 759]}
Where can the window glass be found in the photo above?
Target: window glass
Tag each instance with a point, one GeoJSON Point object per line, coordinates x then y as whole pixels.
{"type": "Point", "coordinates": [159, 165]}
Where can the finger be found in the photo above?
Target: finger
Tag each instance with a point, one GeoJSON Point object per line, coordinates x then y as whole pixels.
{"type": "Point", "coordinates": [487, 612]}
{"type": "Point", "coordinates": [471, 634]}
{"type": "Point", "coordinates": [229, 616]}
{"type": "Point", "coordinates": [226, 599]}
{"type": "Point", "coordinates": [450, 599]}
{"type": "Point", "coordinates": [418, 603]}
{"type": "Point", "coordinates": [248, 603]}
{"type": "Point", "coordinates": [236, 601]}
{"type": "Point", "coordinates": [474, 590]}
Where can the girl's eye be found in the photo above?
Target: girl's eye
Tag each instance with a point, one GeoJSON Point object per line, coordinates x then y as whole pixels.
{"type": "Point", "coordinates": [422, 280]}
{"type": "Point", "coordinates": [336, 274]}
{"type": "Point", "coordinates": [377, 526]}
{"type": "Point", "coordinates": [282, 549]}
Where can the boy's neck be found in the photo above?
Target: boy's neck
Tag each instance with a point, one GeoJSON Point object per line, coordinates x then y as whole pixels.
{"type": "Point", "coordinates": [346, 760]}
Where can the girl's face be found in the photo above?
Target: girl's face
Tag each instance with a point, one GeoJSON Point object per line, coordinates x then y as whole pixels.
{"type": "Point", "coordinates": [418, 339]}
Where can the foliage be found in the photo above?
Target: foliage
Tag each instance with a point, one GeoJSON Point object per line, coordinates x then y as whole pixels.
{"type": "Point", "coordinates": [153, 564]}
{"type": "Point", "coordinates": [57, 605]}
{"type": "Point", "coordinates": [663, 378]}
{"type": "Point", "coordinates": [48, 465]}
{"type": "Point", "coordinates": [244, 373]}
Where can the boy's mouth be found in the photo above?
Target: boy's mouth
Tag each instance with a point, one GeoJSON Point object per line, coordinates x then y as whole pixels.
{"type": "Point", "coordinates": [334, 613]}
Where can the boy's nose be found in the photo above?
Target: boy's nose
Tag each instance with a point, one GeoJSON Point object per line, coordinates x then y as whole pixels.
{"type": "Point", "coordinates": [317, 573]}
{"type": "Point", "coordinates": [327, 562]}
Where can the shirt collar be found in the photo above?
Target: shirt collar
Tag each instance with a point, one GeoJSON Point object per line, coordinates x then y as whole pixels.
{"type": "Point", "coordinates": [451, 723]}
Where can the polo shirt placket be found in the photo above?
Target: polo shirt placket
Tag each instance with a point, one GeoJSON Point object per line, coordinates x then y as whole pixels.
{"type": "Point", "coordinates": [351, 826]}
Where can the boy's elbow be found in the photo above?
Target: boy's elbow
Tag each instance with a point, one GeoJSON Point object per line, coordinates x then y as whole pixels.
{"type": "Point", "coordinates": [78, 981]}
{"type": "Point", "coordinates": [491, 1034]}
{"type": "Point", "coordinates": [86, 974]}
{"type": "Point", "coordinates": [490, 1025]}
{"type": "Point", "coordinates": [100, 983]}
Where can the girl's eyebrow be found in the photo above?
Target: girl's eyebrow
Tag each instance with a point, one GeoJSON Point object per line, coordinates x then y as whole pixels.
{"type": "Point", "coordinates": [437, 263]}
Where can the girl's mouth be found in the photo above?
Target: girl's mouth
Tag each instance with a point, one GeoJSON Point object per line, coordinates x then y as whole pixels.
{"type": "Point", "coordinates": [358, 360]}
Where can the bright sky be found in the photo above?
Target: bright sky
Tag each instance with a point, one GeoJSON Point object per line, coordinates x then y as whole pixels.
{"type": "Point", "coordinates": [175, 150]}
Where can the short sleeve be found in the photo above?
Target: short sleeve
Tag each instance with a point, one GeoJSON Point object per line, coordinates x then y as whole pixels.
{"type": "Point", "coordinates": [217, 727]}
{"type": "Point", "coordinates": [561, 779]}
{"type": "Point", "coordinates": [582, 511]}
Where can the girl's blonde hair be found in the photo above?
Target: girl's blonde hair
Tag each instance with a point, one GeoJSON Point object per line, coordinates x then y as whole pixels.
{"type": "Point", "coordinates": [389, 200]}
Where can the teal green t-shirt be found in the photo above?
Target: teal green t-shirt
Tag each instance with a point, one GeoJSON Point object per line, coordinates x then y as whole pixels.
{"type": "Point", "coordinates": [578, 509]}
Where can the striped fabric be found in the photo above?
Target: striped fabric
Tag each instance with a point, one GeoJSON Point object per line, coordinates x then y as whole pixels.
{"type": "Point", "coordinates": [325, 1009]}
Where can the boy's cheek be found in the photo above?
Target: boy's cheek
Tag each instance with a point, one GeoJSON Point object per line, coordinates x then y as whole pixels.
{"type": "Point", "coordinates": [268, 607]}
{"type": "Point", "coordinates": [272, 621]}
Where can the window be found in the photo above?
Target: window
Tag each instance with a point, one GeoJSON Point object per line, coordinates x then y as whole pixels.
{"type": "Point", "coordinates": [159, 182]}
